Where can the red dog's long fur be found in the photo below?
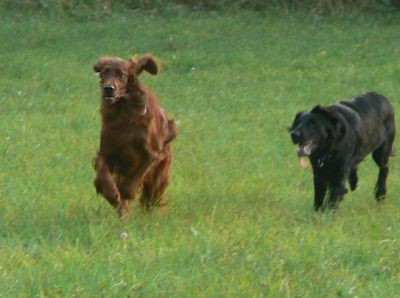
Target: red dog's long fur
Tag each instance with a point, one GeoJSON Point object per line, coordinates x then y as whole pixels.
{"type": "Point", "coordinates": [134, 154]}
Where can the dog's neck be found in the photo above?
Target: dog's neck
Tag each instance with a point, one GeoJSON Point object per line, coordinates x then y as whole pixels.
{"type": "Point", "coordinates": [137, 96]}
{"type": "Point", "coordinates": [128, 104]}
{"type": "Point", "coordinates": [323, 160]}
{"type": "Point", "coordinates": [322, 156]}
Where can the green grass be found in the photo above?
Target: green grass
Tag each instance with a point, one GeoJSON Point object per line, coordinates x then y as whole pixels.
{"type": "Point", "coordinates": [240, 222]}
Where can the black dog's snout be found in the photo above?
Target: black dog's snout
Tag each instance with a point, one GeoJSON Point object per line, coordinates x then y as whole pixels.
{"type": "Point", "coordinates": [296, 135]}
{"type": "Point", "coordinates": [109, 89]}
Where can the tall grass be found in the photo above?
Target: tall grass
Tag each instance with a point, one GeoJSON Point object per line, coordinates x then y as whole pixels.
{"type": "Point", "coordinates": [240, 221]}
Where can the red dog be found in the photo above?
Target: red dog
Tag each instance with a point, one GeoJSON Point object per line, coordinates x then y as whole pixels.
{"type": "Point", "coordinates": [135, 154]}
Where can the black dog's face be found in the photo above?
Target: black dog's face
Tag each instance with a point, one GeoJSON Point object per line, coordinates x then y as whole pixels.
{"type": "Point", "coordinates": [309, 131]}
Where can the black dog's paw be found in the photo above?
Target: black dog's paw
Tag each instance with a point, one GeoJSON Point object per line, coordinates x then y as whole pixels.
{"type": "Point", "coordinates": [353, 181]}
{"type": "Point", "coordinates": [380, 193]}
{"type": "Point", "coordinates": [381, 198]}
{"type": "Point", "coordinates": [318, 208]}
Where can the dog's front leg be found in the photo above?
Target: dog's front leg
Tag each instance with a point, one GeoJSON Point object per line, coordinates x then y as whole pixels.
{"type": "Point", "coordinates": [337, 191]}
{"type": "Point", "coordinates": [337, 179]}
{"type": "Point", "coordinates": [320, 188]}
{"type": "Point", "coordinates": [104, 182]}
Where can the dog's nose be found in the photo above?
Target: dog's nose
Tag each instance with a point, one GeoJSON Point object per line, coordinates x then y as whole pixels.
{"type": "Point", "coordinates": [109, 89]}
{"type": "Point", "coordinates": [295, 134]}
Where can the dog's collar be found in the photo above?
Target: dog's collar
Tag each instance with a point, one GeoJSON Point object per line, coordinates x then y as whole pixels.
{"type": "Point", "coordinates": [323, 159]}
{"type": "Point", "coordinates": [145, 107]}
{"type": "Point", "coordinates": [144, 110]}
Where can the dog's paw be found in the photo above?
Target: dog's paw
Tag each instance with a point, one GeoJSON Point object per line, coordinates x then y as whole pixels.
{"type": "Point", "coordinates": [353, 187]}
{"type": "Point", "coordinates": [381, 198]}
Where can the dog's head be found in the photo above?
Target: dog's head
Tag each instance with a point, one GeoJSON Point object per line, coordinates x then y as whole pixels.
{"type": "Point", "coordinates": [117, 75]}
{"type": "Point", "coordinates": [319, 128]}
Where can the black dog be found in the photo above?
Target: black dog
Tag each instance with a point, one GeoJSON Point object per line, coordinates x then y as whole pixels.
{"type": "Point", "coordinates": [336, 138]}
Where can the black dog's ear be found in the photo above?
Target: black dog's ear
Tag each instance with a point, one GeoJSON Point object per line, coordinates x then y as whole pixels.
{"type": "Point", "coordinates": [298, 115]}
{"type": "Point", "coordinates": [326, 111]}
{"type": "Point", "coordinates": [296, 118]}
{"type": "Point", "coordinates": [147, 63]}
{"type": "Point", "coordinates": [98, 67]}
{"type": "Point", "coordinates": [338, 129]}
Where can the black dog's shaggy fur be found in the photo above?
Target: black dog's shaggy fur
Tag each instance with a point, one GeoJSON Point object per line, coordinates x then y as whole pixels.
{"type": "Point", "coordinates": [336, 138]}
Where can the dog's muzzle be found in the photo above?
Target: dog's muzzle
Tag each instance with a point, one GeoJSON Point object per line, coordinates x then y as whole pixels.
{"type": "Point", "coordinates": [109, 94]}
{"type": "Point", "coordinates": [306, 149]}
{"type": "Point", "coordinates": [108, 90]}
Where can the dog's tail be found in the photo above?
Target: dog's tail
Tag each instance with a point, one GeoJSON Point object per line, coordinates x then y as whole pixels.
{"type": "Point", "coordinates": [171, 132]}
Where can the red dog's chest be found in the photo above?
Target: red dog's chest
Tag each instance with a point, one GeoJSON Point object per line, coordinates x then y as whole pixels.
{"type": "Point", "coordinates": [123, 147]}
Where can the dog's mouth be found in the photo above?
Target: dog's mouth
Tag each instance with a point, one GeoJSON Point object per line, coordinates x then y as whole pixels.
{"type": "Point", "coordinates": [110, 99]}
{"type": "Point", "coordinates": [306, 149]}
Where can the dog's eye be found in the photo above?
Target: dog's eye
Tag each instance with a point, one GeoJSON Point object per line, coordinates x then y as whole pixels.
{"type": "Point", "coordinates": [104, 73]}
{"type": "Point", "coordinates": [120, 74]}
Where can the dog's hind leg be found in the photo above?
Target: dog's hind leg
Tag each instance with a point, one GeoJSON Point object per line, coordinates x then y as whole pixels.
{"type": "Point", "coordinates": [381, 158]}
{"type": "Point", "coordinates": [156, 183]}
{"type": "Point", "coordinates": [353, 179]}
{"type": "Point", "coordinates": [147, 194]}
{"type": "Point", "coordinates": [152, 193]}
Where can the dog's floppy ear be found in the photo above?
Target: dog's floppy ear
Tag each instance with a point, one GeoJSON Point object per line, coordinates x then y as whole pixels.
{"type": "Point", "coordinates": [296, 118]}
{"type": "Point", "coordinates": [338, 129]}
{"type": "Point", "coordinates": [98, 67]}
{"type": "Point", "coordinates": [146, 62]}
{"type": "Point", "coordinates": [298, 115]}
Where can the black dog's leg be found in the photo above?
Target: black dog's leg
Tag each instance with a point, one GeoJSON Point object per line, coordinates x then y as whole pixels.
{"type": "Point", "coordinates": [337, 191]}
{"type": "Point", "coordinates": [381, 158]}
{"type": "Point", "coordinates": [380, 188]}
{"type": "Point", "coordinates": [320, 187]}
{"type": "Point", "coordinates": [353, 179]}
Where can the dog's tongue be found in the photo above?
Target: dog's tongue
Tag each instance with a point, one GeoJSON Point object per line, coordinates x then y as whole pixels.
{"type": "Point", "coordinates": [304, 161]}
{"type": "Point", "coordinates": [303, 151]}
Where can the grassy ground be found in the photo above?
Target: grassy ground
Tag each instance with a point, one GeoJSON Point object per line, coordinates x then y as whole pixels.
{"type": "Point", "coordinates": [240, 222]}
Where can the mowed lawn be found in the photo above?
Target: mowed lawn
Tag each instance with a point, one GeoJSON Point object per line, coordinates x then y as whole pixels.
{"type": "Point", "coordinates": [240, 221]}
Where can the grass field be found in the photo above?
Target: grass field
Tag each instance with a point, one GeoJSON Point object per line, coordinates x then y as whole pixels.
{"type": "Point", "coordinates": [240, 222]}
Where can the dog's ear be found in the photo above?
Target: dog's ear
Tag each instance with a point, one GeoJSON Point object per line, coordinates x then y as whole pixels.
{"type": "Point", "coordinates": [338, 129]}
{"type": "Point", "coordinates": [98, 67]}
{"type": "Point", "coordinates": [296, 118]}
{"type": "Point", "coordinates": [146, 62]}
{"type": "Point", "coordinates": [298, 115]}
